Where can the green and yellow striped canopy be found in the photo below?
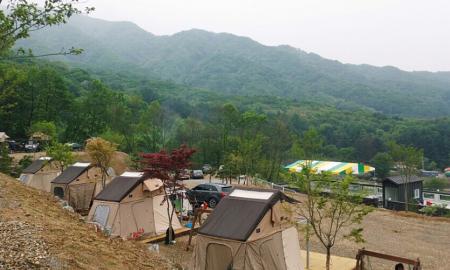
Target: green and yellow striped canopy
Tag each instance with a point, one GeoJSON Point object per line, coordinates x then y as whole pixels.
{"type": "Point", "coordinates": [332, 167]}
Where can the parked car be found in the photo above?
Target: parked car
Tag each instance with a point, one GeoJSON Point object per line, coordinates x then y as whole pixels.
{"type": "Point", "coordinates": [209, 193]}
{"type": "Point", "coordinates": [32, 146]}
{"type": "Point", "coordinates": [206, 168]}
{"type": "Point", "coordinates": [197, 174]}
{"type": "Point", "coordinates": [15, 146]}
{"type": "Point", "coordinates": [75, 146]}
{"type": "Point", "coordinates": [184, 175]}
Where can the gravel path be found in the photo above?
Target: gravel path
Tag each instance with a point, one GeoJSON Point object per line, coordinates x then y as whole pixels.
{"type": "Point", "coordinates": [21, 247]}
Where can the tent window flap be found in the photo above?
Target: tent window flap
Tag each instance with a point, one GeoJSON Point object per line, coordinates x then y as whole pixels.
{"type": "Point", "coordinates": [101, 215]}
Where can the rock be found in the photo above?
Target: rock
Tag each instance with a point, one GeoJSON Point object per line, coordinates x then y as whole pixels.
{"type": "Point", "coordinates": [69, 208]}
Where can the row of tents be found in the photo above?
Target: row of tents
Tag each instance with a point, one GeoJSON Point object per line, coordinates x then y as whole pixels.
{"type": "Point", "coordinates": [129, 203]}
{"type": "Point", "coordinates": [249, 228]}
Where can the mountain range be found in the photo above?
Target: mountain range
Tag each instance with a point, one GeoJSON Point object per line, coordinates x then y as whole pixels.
{"type": "Point", "coordinates": [235, 65]}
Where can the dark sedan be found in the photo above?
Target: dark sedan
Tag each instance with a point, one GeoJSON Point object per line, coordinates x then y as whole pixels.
{"type": "Point", "coordinates": [209, 193]}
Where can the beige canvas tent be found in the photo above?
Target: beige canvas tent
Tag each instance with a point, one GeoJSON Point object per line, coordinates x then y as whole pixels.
{"type": "Point", "coordinates": [248, 230]}
{"type": "Point", "coordinates": [78, 185]}
{"type": "Point", "coordinates": [132, 204]}
{"type": "Point", "coordinates": [3, 137]}
{"type": "Point", "coordinates": [40, 173]}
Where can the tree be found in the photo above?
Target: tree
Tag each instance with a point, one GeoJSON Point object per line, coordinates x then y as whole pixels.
{"type": "Point", "coordinates": [21, 17]}
{"type": "Point", "coordinates": [101, 153]}
{"type": "Point", "coordinates": [167, 167]}
{"type": "Point", "coordinates": [436, 183]}
{"type": "Point", "coordinates": [5, 159]}
{"type": "Point", "coordinates": [60, 153]}
{"type": "Point", "coordinates": [152, 128]}
{"type": "Point", "coordinates": [46, 128]}
{"type": "Point", "coordinates": [383, 164]}
{"type": "Point", "coordinates": [329, 215]}
{"type": "Point", "coordinates": [311, 144]}
{"type": "Point", "coordinates": [25, 162]}
{"type": "Point", "coordinates": [230, 168]}
{"type": "Point", "coordinates": [407, 159]}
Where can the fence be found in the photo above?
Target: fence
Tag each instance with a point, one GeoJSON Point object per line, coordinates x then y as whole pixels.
{"type": "Point", "coordinates": [272, 185]}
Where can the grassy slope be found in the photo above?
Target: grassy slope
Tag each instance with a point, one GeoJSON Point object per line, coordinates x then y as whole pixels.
{"type": "Point", "coordinates": [71, 241]}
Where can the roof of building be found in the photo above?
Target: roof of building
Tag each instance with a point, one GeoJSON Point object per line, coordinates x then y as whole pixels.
{"type": "Point", "coordinates": [35, 166]}
{"type": "Point", "coordinates": [399, 180]}
{"type": "Point", "coordinates": [238, 214]}
{"type": "Point", "coordinates": [71, 173]}
{"type": "Point", "coordinates": [120, 187]}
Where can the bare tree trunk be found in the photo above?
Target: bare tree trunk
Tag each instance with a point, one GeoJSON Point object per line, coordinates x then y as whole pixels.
{"type": "Point", "coordinates": [103, 178]}
{"type": "Point", "coordinates": [328, 258]}
{"type": "Point", "coordinates": [169, 214]}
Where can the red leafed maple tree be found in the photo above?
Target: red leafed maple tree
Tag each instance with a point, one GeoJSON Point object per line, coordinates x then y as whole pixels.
{"type": "Point", "coordinates": [167, 167]}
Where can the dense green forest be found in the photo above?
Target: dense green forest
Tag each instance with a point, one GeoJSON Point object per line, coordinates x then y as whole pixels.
{"type": "Point", "coordinates": [230, 64]}
{"type": "Point", "coordinates": [239, 103]}
{"type": "Point", "coordinates": [255, 134]}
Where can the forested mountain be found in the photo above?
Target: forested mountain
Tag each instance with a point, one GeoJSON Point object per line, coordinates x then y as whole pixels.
{"type": "Point", "coordinates": [140, 115]}
{"type": "Point", "coordinates": [239, 103]}
{"type": "Point", "coordinates": [228, 64]}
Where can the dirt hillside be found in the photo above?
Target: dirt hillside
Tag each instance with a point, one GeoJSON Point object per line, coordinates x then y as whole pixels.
{"type": "Point", "coordinates": [36, 233]}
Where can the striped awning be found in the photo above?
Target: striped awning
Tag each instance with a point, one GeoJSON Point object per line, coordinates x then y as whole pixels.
{"type": "Point", "coordinates": [332, 167]}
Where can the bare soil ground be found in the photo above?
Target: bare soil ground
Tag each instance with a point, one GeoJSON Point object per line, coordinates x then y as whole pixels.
{"type": "Point", "coordinates": [401, 234]}
{"type": "Point", "coordinates": [36, 233]}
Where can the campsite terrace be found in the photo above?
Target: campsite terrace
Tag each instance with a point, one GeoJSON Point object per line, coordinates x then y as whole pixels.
{"type": "Point", "coordinates": [71, 242]}
{"type": "Point", "coordinates": [402, 234]}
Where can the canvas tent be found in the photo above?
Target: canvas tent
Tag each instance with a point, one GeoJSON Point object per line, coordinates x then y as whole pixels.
{"type": "Point", "coordinates": [130, 204]}
{"type": "Point", "coordinates": [3, 137]}
{"type": "Point", "coordinates": [332, 167]}
{"type": "Point", "coordinates": [249, 230]}
{"type": "Point", "coordinates": [78, 185]}
{"type": "Point", "coordinates": [40, 173]}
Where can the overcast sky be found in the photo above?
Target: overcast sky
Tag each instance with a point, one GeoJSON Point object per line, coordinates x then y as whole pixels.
{"type": "Point", "coordinates": [409, 34]}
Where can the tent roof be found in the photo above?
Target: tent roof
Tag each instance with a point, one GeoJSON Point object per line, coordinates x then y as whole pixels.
{"type": "Point", "coordinates": [399, 180]}
{"type": "Point", "coordinates": [119, 187]}
{"type": "Point", "coordinates": [333, 167]}
{"type": "Point", "coordinates": [238, 214]}
{"type": "Point", "coordinates": [71, 173]}
{"type": "Point", "coordinates": [35, 166]}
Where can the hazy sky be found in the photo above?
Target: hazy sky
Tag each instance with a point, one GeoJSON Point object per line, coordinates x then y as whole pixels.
{"type": "Point", "coordinates": [409, 34]}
